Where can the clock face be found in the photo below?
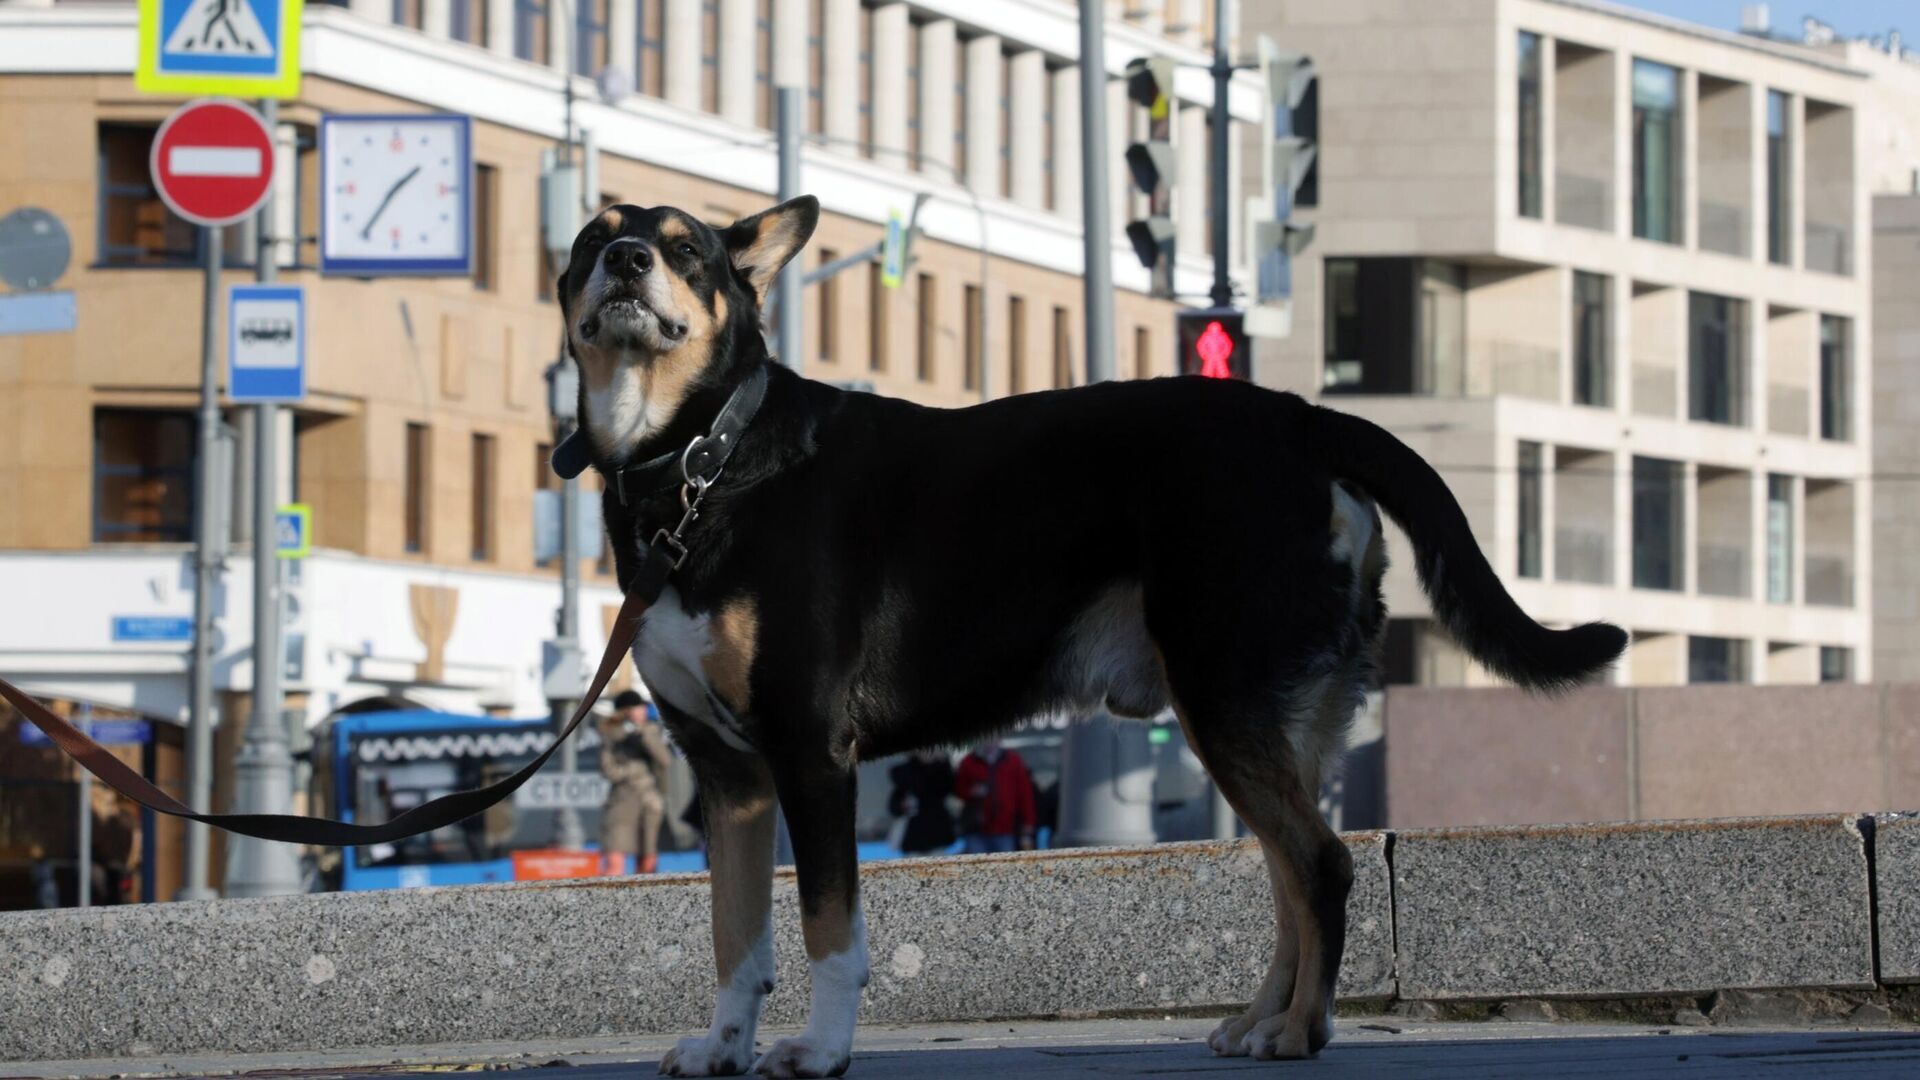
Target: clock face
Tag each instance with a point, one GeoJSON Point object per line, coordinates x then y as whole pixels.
{"type": "Point", "coordinates": [396, 195]}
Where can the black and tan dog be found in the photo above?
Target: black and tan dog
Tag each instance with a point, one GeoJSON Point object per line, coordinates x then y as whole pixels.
{"type": "Point", "coordinates": [869, 576]}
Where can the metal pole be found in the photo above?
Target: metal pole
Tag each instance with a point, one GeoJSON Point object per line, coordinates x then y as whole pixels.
{"type": "Point", "coordinates": [84, 877]}
{"type": "Point", "coordinates": [263, 766]}
{"type": "Point", "coordinates": [208, 549]}
{"type": "Point", "coordinates": [1097, 230]}
{"type": "Point", "coordinates": [568, 833]}
{"type": "Point", "coordinates": [789, 101]}
{"type": "Point", "coordinates": [1217, 167]}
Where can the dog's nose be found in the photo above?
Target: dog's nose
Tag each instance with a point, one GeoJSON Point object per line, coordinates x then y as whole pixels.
{"type": "Point", "coordinates": [627, 258]}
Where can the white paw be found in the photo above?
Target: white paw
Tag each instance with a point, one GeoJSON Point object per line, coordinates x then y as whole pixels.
{"type": "Point", "coordinates": [803, 1056]}
{"type": "Point", "coordinates": [707, 1055]}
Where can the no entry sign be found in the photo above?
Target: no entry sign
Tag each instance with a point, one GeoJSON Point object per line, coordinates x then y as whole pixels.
{"type": "Point", "coordinates": [213, 161]}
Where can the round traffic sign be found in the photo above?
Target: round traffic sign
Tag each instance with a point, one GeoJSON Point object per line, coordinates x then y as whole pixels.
{"type": "Point", "coordinates": [212, 161]}
{"type": "Point", "coordinates": [34, 249]}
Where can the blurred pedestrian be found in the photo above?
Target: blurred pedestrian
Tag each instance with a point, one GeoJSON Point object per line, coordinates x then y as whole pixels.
{"type": "Point", "coordinates": [921, 786]}
{"type": "Point", "coordinates": [996, 793]}
{"type": "Point", "coordinates": [634, 758]}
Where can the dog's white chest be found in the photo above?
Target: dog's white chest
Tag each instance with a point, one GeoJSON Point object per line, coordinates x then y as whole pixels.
{"type": "Point", "coordinates": [670, 652]}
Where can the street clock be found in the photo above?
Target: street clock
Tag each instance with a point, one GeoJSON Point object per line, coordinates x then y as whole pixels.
{"type": "Point", "coordinates": [396, 195]}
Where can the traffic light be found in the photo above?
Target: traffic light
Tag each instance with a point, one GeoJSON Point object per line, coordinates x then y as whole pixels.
{"type": "Point", "coordinates": [1153, 166]}
{"type": "Point", "coordinates": [1289, 168]}
{"type": "Point", "coordinates": [1213, 343]}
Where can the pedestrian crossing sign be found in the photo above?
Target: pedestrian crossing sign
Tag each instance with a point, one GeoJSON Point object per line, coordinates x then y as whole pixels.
{"type": "Point", "coordinates": [238, 48]}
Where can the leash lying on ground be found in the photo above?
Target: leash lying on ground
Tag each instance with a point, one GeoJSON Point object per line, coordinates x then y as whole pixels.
{"type": "Point", "coordinates": [700, 466]}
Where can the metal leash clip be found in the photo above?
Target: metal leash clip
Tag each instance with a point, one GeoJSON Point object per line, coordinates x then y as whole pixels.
{"type": "Point", "coordinates": [691, 493]}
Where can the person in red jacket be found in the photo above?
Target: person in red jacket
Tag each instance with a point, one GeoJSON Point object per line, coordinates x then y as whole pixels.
{"type": "Point", "coordinates": [996, 793]}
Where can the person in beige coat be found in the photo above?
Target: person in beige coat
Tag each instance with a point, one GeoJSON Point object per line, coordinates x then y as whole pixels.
{"type": "Point", "coordinates": [634, 758]}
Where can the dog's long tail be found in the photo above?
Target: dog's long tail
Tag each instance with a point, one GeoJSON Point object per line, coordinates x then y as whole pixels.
{"type": "Point", "coordinates": [1467, 595]}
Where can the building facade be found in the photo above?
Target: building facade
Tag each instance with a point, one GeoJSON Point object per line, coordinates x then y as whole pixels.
{"type": "Point", "coordinates": [422, 443]}
{"type": "Point", "coordinates": [1612, 274]}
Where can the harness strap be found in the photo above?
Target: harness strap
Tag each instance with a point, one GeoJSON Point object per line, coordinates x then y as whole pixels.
{"type": "Point", "coordinates": [428, 816]}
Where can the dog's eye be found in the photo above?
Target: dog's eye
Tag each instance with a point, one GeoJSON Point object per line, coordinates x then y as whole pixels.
{"type": "Point", "coordinates": [686, 249]}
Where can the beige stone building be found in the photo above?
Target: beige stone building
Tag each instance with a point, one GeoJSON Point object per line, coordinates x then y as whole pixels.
{"type": "Point", "coordinates": [1612, 274]}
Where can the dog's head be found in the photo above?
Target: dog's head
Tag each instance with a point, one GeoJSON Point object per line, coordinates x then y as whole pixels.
{"type": "Point", "coordinates": [663, 299]}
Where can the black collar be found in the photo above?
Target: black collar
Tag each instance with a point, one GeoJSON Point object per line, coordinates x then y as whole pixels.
{"type": "Point", "coordinates": [699, 463]}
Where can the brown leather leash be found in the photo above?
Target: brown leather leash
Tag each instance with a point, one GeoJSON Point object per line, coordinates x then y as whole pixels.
{"type": "Point", "coordinates": [428, 816]}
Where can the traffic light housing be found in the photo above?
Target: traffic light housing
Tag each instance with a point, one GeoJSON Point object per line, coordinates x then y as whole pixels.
{"type": "Point", "coordinates": [1153, 168]}
{"type": "Point", "coordinates": [1290, 169]}
{"type": "Point", "coordinates": [1213, 343]}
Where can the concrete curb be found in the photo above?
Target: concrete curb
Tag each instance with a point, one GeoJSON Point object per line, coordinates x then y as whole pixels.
{"type": "Point", "coordinates": [1554, 911]}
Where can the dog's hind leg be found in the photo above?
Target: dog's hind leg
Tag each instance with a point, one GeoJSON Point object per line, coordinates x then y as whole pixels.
{"type": "Point", "coordinates": [818, 798]}
{"type": "Point", "coordinates": [1276, 990]}
{"type": "Point", "coordinates": [736, 801]}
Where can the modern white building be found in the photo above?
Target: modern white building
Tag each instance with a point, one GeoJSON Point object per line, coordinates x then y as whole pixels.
{"type": "Point", "coordinates": [1612, 274]}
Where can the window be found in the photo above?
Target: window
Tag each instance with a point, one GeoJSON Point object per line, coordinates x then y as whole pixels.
{"type": "Point", "coordinates": [530, 30]}
{"type": "Point", "coordinates": [467, 21]}
{"type": "Point", "coordinates": [548, 271]}
{"type": "Point", "coordinates": [1656, 152]}
{"type": "Point", "coordinates": [960, 107]}
{"type": "Point", "coordinates": [135, 227]}
{"type": "Point", "coordinates": [1716, 359]}
{"type": "Point", "coordinates": [1716, 660]}
{"type": "Point", "coordinates": [483, 498]}
{"type": "Point", "coordinates": [486, 180]}
{"type": "Point", "coordinates": [914, 149]}
{"type": "Point", "coordinates": [1062, 349]}
{"type": "Point", "coordinates": [929, 336]}
{"type": "Point", "coordinates": [710, 51]}
{"type": "Point", "coordinates": [1142, 350]}
{"type": "Point", "coordinates": [765, 105]}
{"type": "Point", "coordinates": [1016, 345]}
{"type": "Point", "coordinates": [590, 35]}
{"type": "Point", "coordinates": [1592, 339]}
{"type": "Point", "coordinates": [406, 13]}
{"type": "Point", "coordinates": [1395, 326]}
{"type": "Point", "coordinates": [1530, 510]}
{"type": "Point", "coordinates": [1836, 664]}
{"type": "Point", "coordinates": [864, 94]}
{"type": "Point", "coordinates": [1779, 179]}
{"type": "Point", "coordinates": [1659, 524]}
{"type": "Point", "coordinates": [971, 362]}
{"type": "Point", "coordinates": [1836, 378]}
{"type": "Point", "coordinates": [879, 318]}
{"type": "Point", "coordinates": [829, 314]}
{"type": "Point", "coordinates": [1530, 124]}
{"type": "Point", "coordinates": [417, 479]}
{"type": "Point", "coordinates": [143, 476]}
{"type": "Point", "coordinates": [649, 76]}
{"type": "Point", "coordinates": [1779, 539]}
{"type": "Point", "coordinates": [546, 498]}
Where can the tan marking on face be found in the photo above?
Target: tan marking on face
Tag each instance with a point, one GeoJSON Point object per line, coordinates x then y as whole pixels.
{"type": "Point", "coordinates": [672, 229]}
{"type": "Point", "coordinates": [612, 218]}
{"type": "Point", "coordinates": [740, 856]}
{"type": "Point", "coordinates": [729, 667]}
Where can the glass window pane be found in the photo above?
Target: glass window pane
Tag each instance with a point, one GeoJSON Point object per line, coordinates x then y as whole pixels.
{"type": "Point", "coordinates": [1659, 524]}
{"type": "Point", "coordinates": [1656, 152]}
{"type": "Point", "coordinates": [1779, 539]}
{"type": "Point", "coordinates": [143, 476]}
{"type": "Point", "coordinates": [1530, 510]}
{"type": "Point", "coordinates": [1592, 339]}
{"type": "Point", "coordinates": [1779, 180]}
{"type": "Point", "coordinates": [1530, 124]}
{"type": "Point", "coordinates": [1836, 378]}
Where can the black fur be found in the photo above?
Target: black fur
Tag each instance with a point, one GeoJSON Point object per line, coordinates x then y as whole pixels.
{"type": "Point", "coordinates": [924, 576]}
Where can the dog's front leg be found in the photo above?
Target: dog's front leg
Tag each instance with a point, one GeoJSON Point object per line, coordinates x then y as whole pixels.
{"type": "Point", "coordinates": [737, 802]}
{"type": "Point", "coordinates": [818, 798]}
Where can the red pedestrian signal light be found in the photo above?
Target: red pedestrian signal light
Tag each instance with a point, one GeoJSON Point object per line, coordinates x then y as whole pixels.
{"type": "Point", "coordinates": [1213, 344]}
{"type": "Point", "coordinates": [1215, 349]}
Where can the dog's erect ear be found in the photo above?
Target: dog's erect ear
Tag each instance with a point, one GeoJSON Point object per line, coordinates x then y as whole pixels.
{"type": "Point", "coordinates": [760, 245]}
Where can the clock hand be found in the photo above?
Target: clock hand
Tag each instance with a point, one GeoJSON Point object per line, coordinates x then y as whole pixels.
{"type": "Point", "coordinates": [367, 232]}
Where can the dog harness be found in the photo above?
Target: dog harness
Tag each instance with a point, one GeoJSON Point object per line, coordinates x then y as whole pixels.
{"type": "Point", "coordinates": [701, 464]}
